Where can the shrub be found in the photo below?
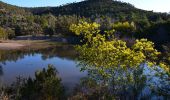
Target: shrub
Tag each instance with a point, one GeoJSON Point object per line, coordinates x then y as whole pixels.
{"type": "Point", "coordinates": [46, 86]}
{"type": "Point", "coordinates": [3, 34]}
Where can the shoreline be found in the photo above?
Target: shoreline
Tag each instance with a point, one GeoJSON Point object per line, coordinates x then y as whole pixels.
{"type": "Point", "coordinates": [26, 44]}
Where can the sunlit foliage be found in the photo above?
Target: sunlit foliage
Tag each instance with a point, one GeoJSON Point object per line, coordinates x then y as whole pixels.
{"type": "Point", "coordinates": [3, 34]}
{"type": "Point", "coordinates": [113, 60]}
{"type": "Point", "coordinates": [104, 54]}
{"type": "Point", "coordinates": [125, 28]}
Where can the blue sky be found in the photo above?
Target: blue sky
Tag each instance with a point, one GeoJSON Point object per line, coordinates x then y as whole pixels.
{"type": "Point", "coordinates": [155, 5]}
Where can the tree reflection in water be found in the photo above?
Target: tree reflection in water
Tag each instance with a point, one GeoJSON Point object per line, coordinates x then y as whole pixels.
{"type": "Point", "coordinates": [63, 51]}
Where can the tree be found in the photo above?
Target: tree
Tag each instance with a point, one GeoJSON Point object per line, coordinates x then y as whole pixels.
{"type": "Point", "coordinates": [3, 34]}
{"type": "Point", "coordinates": [112, 61]}
{"type": "Point", "coordinates": [10, 32]}
{"type": "Point", "coordinates": [125, 28]}
{"type": "Point", "coordinates": [17, 30]}
{"type": "Point", "coordinates": [114, 53]}
{"type": "Point", "coordinates": [49, 31]}
{"type": "Point", "coordinates": [64, 22]}
{"type": "Point", "coordinates": [46, 86]}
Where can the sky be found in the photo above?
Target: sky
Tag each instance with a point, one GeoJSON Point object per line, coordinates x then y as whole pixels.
{"type": "Point", "coordinates": [155, 5]}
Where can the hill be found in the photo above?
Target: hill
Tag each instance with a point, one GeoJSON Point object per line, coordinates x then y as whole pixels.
{"type": "Point", "coordinates": [14, 19]}
{"type": "Point", "coordinates": [11, 9]}
{"type": "Point", "coordinates": [98, 8]}
{"type": "Point", "coordinates": [87, 8]}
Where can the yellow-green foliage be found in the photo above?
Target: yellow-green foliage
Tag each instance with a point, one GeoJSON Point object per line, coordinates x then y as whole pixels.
{"type": "Point", "coordinates": [115, 53]}
{"type": "Point", "coordinates": [3, 34]}
{"type": "Point", "coordinates": [85, 28]}
{"type": "Point", "coordinates": [103, 54]}
{"type": "Point", "coordinates": [124, 27]}
{"type": "Point", "coordinates": [165, 66]}
{"type": "Point", "coordinates": [90, 31]}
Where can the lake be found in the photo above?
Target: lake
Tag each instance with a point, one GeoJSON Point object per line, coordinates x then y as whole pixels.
{"type": "Point", "coordinates": [24, 63]}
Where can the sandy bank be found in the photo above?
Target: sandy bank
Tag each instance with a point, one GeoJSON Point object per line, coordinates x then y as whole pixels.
{"type": "Point", "coordinates": [25, 44]}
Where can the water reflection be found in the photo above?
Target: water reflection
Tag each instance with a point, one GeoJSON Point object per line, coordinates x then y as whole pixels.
{"type": "Point", "coordinates": [25, 62]}
{"type": "Point", "coordinates": [66, 52]}
{"type": "Point", "coordinates": [129, 84]}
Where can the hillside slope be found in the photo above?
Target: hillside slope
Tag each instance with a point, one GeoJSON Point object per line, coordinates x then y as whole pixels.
{"type": "Point", "coordinates": [11, 10]}
{"type": "Point", "coordinates": [97, 8]}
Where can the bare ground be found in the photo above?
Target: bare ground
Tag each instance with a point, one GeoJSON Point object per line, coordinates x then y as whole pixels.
{"type": "Point", "coordinates": [11, 45]}
{"type": "Point", "coordinates": [25, 44]}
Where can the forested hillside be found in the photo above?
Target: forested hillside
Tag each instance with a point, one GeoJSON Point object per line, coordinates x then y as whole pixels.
{"type": "Point", "coordinates": [10, 9]}
{"type": "Point", "coordinates": [97, 8]}
{"type": "Point", "coordinates": [15, 19]}
{"type": "Point", "coordinates": [57, 20]}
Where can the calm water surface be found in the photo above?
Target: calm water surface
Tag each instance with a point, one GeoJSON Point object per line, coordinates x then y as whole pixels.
{"type": "Point", "coordinates": [25, 63]}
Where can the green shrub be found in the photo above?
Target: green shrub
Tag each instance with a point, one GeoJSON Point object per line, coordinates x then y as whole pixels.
{"type": "Point", "coordinates": [46, 86]}
{"type": "Point", "coordinates": [3, 34]}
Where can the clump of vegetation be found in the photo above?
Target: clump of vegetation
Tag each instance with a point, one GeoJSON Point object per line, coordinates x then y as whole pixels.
{"type": "Point", "coordinates": [103, 53]}
{"type": "Point", "coordinates": [125, 28]}
{"type": "Point", "coordinates": [46, 86]}
{"type": "Point", "coordinates": [3, 34]}
{"type": "Point", "coordinates": [112, 61]}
